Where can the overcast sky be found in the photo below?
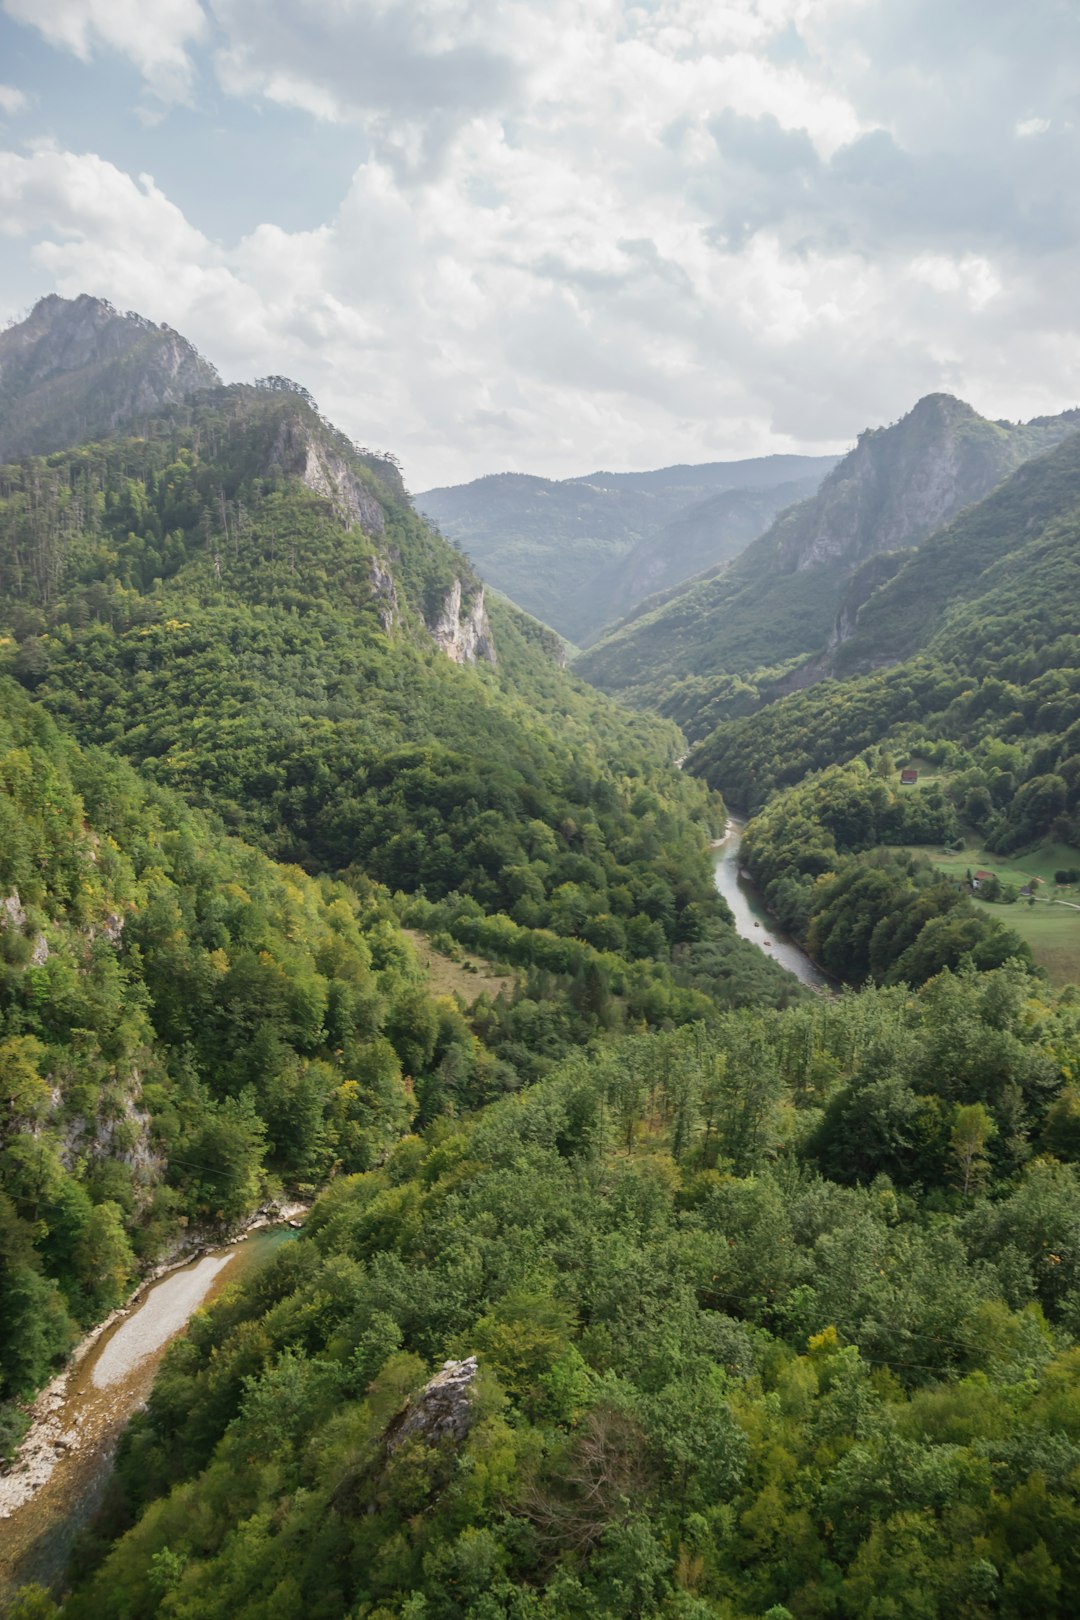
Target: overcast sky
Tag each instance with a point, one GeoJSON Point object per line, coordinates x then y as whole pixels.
{"type": "Point", "coordinates": [559, 235]}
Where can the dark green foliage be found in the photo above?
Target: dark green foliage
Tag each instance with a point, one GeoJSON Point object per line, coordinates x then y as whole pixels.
{"type": "Point", "coordinates": [714, 1380]}
{"type": "Point", "coordinates": [182, 1025]}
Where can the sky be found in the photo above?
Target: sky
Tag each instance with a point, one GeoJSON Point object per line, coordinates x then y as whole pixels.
{"type": "Point", "coordinates": [555, 236]}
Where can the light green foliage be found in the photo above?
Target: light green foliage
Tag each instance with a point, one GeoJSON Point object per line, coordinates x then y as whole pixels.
{"type": "Point", "coordinates": [714, 1381]}
{"type": "Point", "coordinates": [182, 1024]}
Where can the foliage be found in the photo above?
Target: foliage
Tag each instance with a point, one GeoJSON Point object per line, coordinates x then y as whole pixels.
{"type": "Point", "coordinates": [731, 1364]}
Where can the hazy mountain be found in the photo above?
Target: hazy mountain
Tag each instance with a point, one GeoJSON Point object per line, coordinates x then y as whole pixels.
{"type": "Point", "coordinates": [701, 537]}
{"type": "Point", "coordinates": [572, 551]}
{"type": "Point", "coordinates": [780, 600]}
{"type": "Point", "coordinates": [75, 370]}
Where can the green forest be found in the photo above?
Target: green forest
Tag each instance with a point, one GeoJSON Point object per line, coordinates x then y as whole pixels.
{"type": "Point", "coordinates": [776, 1320]}
{"type": "Point", "coordinates": [638, 1282]}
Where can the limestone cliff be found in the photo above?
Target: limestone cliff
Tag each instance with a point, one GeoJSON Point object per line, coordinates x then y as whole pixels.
{"type": "Point", "coordinates": [464, 634]}
{"type": "Point", "coordinates": [299, 451]}
{"type": "Point", "coordinates": [76, 370]}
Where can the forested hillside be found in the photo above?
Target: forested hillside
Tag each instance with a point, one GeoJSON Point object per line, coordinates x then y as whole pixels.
{"type": "Point", "coordinates": [989, 703]}
{"type": "Point", "coordinates": [800, 586]}
{"type": "Point", "coordinates": [253, 613]}
{"type": "Point", "coordinates": [184, 1027]}
{"type": "Point", "coordinates": [582, 552]}
{"type": "Point", "coordinates": [646, 1284]}
{"type": "Point", "coordinates": [778, 1321]}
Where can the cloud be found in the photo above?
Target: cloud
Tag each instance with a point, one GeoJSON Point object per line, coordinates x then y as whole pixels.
{"type": "Point", "coordinates": [589, 233]}
{"type": "Point", "coordinates": [155, 34]}
{"type": "Point", "coordinates": [12, 101]}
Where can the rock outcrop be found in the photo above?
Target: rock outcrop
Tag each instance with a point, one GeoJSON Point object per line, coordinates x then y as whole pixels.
{"type": "Point", "coordinates": [443, 1409]}
{"type": "Point", "coordinates": [299, 452]}
{"type": "Point", "coordinates": [464, 635]}
{"type": "Point", "coordinates": [76, 370]}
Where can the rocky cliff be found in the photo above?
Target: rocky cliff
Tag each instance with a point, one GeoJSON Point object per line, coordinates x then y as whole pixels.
{"type": "Point", "coordinates": [76, 370]}
{"type": "Point", "coordinates": [902, 482]}
{"type": "Point", "coordinates": [462, 631]}
{"type": "Point", "coordinates": [300, 452]}
{"type": "Point", "coordinates": [800, 586]}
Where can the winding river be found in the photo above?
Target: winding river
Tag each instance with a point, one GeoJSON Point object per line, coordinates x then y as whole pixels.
{"type": "Point", "coordinates": [751, 918]}
{"type": "Point", "coordinates": [59, 1487]}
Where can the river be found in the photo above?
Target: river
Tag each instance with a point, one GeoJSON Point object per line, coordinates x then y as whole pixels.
{"type": "Point", "coordinates": [99, 1394]}
{"type": "Point", "coordinates": [751, 918]}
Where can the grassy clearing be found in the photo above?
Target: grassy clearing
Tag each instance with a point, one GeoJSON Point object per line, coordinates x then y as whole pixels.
{"type": "Point", "coordinates": [465, 978]}
{"type": "Point", "coordinates": [928, 773]}
{"type": "Point", "coordinates": [1040, 862]}
{"type": "Point", "coordinates": [1053, 932]}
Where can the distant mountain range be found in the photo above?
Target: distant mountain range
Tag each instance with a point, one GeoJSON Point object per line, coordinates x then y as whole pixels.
{"type": "Point", "coordinates": [797, 594]}
{"type": "Point", "coordinates": [580, 553]}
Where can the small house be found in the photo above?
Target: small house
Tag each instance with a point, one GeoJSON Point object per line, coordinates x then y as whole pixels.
{"type": "Point", "coordinates": [1025, 891]}
{"type": "Point", "coordinates": [908, 776]}
{"type": "Point", "coordinates": [979, 878]}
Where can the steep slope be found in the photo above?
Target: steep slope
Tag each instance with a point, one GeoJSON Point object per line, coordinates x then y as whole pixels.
{"type": "Point", "coordinates": [986, 612]}
{"type": "Point", "coordinates": [779, 601]}
{"type": "Point", "coordinates": [183, 1026]}
{"type": "Point", "coordinates": [558, 548]}
{"type": "Point", "coordinates": [252, 612]}
{"type": "Point", "coordinates": [76, 370]}
{"type": "Point", "coordinates": [985, 710]}
{"type": "Point", "coordinates": [700, 538]}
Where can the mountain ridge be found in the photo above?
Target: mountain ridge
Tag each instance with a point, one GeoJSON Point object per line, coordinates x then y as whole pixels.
{"type": "Point", "coordinates": [568, 550]}
{"type": "Point", "coordinates": [779, 601]}
{"type": "Point", "coordinates": [76, 369]}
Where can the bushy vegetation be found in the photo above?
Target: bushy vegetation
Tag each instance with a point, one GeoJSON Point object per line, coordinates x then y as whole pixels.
{"type": "Point", "coordinates": [779, 1320]}
{"type": "Point", "coordinates": [187, 1026]}
{"type": "Point", "coordinates": [184, 1028]}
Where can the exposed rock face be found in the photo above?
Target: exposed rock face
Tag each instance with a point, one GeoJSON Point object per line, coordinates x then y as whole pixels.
{"type": "Point", "coordinates": [902, 482]}
{"type": "Point", "coordinates": [12, 914]}
{"type": "Point", "coordinates": [464, 638]}
{"type": "Point", "coordinates": [77, 370]}
{"type": "Point", "coordinates": [443, 1409]}
{"type": "Point", "coordinates": [382, 583]}
{"type": "Point", "coordinates": [298, 451]}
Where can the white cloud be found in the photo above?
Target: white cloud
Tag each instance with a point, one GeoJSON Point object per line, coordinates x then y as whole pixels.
{"type": "Point", "coordinates": [1031, 126]}
{"type": "Point", "coordinates": [155, 34]}
{"type": "Point", "coordinates": [587, 232]}
{"type": "Point", "coordinates": [12, 101]}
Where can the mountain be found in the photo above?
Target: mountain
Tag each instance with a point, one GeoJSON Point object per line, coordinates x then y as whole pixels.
{"type": "Point", "coordinates": [781, 600]}
{"type": "Point", "coordinates": [249, 609]}
{"type": "Point", "coordinates": [76, 370]}
{"type": "Point", "coordinates": [698, 538]}
{"type": "Point", "coordinates": [254, 715]}
{"type": "Point", "coordinates": [963, 665]}
{"type": "Point", "coordinates": [574, 552]}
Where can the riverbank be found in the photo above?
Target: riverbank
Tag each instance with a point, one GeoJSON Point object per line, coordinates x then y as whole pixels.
{"type": "Point", "coordinates": [48, 1438]}
{"type": "Point", "coordinates": [752, 918]}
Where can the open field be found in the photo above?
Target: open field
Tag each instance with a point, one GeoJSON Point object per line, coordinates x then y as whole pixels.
{"type": "Point", "coordinates": [466, 978]}
{"type": "Point", "coordinates": [1052, 930]}
{"type": "Point", "coordinates": [1040, 862]}
{"type": "Point", "coordinates": [928, 774]}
